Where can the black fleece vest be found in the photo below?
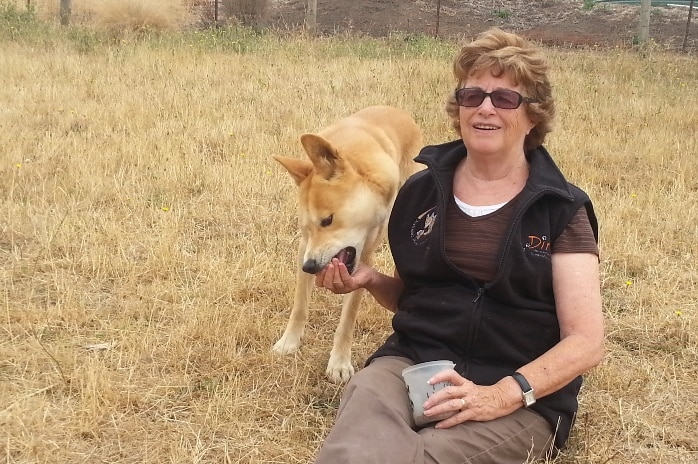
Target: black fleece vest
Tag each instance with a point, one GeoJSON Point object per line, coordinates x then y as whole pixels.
{"type": "Point", "coordinates": [488, 331]}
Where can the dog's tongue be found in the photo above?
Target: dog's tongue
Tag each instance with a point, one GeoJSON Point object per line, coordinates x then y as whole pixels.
{"type": "Point", "coordinates": [342, 256]}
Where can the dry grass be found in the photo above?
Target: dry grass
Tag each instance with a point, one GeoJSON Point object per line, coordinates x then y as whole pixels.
{"type": "Point", "coordinates": [147, 242]}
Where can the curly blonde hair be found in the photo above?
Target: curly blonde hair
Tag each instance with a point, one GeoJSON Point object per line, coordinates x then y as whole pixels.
{"type": "Point", "coordinates": [504, 53]}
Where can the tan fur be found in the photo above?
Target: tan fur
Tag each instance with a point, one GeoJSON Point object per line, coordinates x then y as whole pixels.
{"type": "Point", "coordinates": [354, 171]}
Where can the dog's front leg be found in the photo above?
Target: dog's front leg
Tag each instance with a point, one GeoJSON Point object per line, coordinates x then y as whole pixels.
{"type": "Point", "coordinates": [339, 367]}
{"type": "Point", "coordinates": [290, 341]}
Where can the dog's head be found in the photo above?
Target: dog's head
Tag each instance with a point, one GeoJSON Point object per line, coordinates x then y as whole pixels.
{"type": "Point", "coordinates": [338, 209]}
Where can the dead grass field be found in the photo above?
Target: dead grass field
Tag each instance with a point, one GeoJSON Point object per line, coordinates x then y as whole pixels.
{"type": "Point", "coordinates": [147, 241]}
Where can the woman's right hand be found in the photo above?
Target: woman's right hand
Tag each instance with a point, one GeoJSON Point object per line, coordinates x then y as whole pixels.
{"type": "Point", "coordinates": [385, 289]}
{"type": "Point", "coordinates": [336, 278]}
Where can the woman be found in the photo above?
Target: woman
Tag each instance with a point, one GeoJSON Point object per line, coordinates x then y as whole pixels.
{"type": "Point", "coordinates": [496, 269]}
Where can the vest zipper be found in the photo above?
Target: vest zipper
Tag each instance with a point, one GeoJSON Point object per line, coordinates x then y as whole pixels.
{"type": "Point", "coordinates": [480, 291]}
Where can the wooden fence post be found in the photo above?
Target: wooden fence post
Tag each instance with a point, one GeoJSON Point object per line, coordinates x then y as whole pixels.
{"type": "Point", "coordinates": [643, 34]}
{"type": "Point", "coordinates": [688, 25]}
{"type": "Point", "coordinates": [64, 12]}
{"type": "Point", "coordinates": [311, 17]}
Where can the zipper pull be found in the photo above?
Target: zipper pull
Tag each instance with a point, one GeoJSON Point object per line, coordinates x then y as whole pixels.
{"type": "Point", "coordinates": [480, 291]}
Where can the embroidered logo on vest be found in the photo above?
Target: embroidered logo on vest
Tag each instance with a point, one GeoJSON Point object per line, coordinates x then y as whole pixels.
{"type": "Point", "coordinates": [423, 225]}
{"type": "Point", "coordinates": [538, 246]}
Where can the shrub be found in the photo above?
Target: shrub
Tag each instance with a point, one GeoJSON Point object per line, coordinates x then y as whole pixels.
{"type": "Point", "coordinates": [140, 15]}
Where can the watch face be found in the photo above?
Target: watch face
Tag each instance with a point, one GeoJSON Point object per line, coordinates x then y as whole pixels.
{"type": "Point", "coordinates": [529, 398]}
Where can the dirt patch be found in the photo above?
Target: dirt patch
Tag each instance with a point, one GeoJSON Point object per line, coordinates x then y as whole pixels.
{"type": "Point", "coordinates": [554, 22]}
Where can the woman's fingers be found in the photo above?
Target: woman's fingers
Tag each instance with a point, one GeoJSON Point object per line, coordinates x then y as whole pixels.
{"type": "Point", "coordinates": [335, 277]}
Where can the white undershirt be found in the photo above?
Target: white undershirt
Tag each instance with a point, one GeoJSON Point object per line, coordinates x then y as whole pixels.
{"type": "Point", "coordinates": [476, 211]}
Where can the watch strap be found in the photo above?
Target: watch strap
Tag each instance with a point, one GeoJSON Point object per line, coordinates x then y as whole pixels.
{"type": "Point", "coordinates": [528, 397]}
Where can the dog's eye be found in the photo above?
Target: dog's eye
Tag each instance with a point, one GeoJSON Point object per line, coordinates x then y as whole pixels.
{"type": "Point", "coordinates": [326, 221]}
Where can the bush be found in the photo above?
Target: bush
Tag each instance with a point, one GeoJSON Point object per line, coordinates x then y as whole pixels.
{"type": "Point", "coordinates": [140, 15]}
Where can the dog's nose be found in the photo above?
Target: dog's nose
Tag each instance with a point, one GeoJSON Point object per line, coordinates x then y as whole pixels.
{"type": "Point", "coordinates": [311, 267]}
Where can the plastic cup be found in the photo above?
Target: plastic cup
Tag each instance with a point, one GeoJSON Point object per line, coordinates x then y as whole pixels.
{"type": "Point", "coordinates": [419, 390]}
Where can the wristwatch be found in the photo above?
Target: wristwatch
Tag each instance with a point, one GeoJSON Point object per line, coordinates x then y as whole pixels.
{"type": "Point", "coordinates": [529, 397]}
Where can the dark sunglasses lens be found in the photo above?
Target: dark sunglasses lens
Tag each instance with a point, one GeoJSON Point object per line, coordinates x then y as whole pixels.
{"type": "Point", "coordinates": [501, 98]}
{"type": "Point", "coordinates": [470, 98]}
{"type": "Point", "coordinates": [506, 99]}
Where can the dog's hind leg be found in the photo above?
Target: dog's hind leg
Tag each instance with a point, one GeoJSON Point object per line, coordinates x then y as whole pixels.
{"type": "Point", "coordinates": [290, 341]}
{"type": "Point", "coordinates": [339, 367]}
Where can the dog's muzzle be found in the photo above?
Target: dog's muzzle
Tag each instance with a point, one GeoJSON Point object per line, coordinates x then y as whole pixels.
{"type": "Point", "coordinates": [346, 255]}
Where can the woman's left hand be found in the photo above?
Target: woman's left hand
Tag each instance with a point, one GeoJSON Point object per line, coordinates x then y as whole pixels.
{"type": "Point", "coordinates": [470, 401]}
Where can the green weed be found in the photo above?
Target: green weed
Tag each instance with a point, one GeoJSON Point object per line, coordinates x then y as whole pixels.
{"type": "Point", "coordinates": [502, 14]}
{"type": "Point", "coordinates": [16, 23]}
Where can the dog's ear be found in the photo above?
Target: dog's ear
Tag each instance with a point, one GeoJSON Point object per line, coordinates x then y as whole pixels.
{"type": "Point", "coordinates": [324, 156]}
{"type": "Point", "coordinates": [298, 168]}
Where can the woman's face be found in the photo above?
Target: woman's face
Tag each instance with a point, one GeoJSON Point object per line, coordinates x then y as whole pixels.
{"type": "Point", "coordinates": [490, 131]}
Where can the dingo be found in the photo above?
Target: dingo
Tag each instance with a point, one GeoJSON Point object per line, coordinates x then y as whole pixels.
{"type": "Point", "coordinates": [345, 193]}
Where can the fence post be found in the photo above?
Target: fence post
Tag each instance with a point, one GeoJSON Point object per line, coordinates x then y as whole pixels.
{"type": "Point", "coordinates": [688, 25]}
{"type": "Point", "coordinates": [311, 17]}
{"type": "Point", "coordinates": [643, 34]}
{"type": "Point", "coordinates": [64, 12]}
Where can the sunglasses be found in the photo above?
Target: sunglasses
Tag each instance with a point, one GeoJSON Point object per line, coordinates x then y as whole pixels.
{"type": "Point", "coordinates": [472, 97]}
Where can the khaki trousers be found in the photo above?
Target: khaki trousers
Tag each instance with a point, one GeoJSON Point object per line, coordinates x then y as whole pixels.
{"type": "Point", "coordinates": [374, 425]}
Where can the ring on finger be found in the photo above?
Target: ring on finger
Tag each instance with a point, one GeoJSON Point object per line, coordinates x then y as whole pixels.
{"type": "Point", "coordinates": [462, 403]}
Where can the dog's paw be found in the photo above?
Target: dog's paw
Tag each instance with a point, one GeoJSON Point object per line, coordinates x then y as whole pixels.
{"type": "Point", "coordinates": [339, 371]}
{"type": "Point", "coordinates": [287, 344]}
